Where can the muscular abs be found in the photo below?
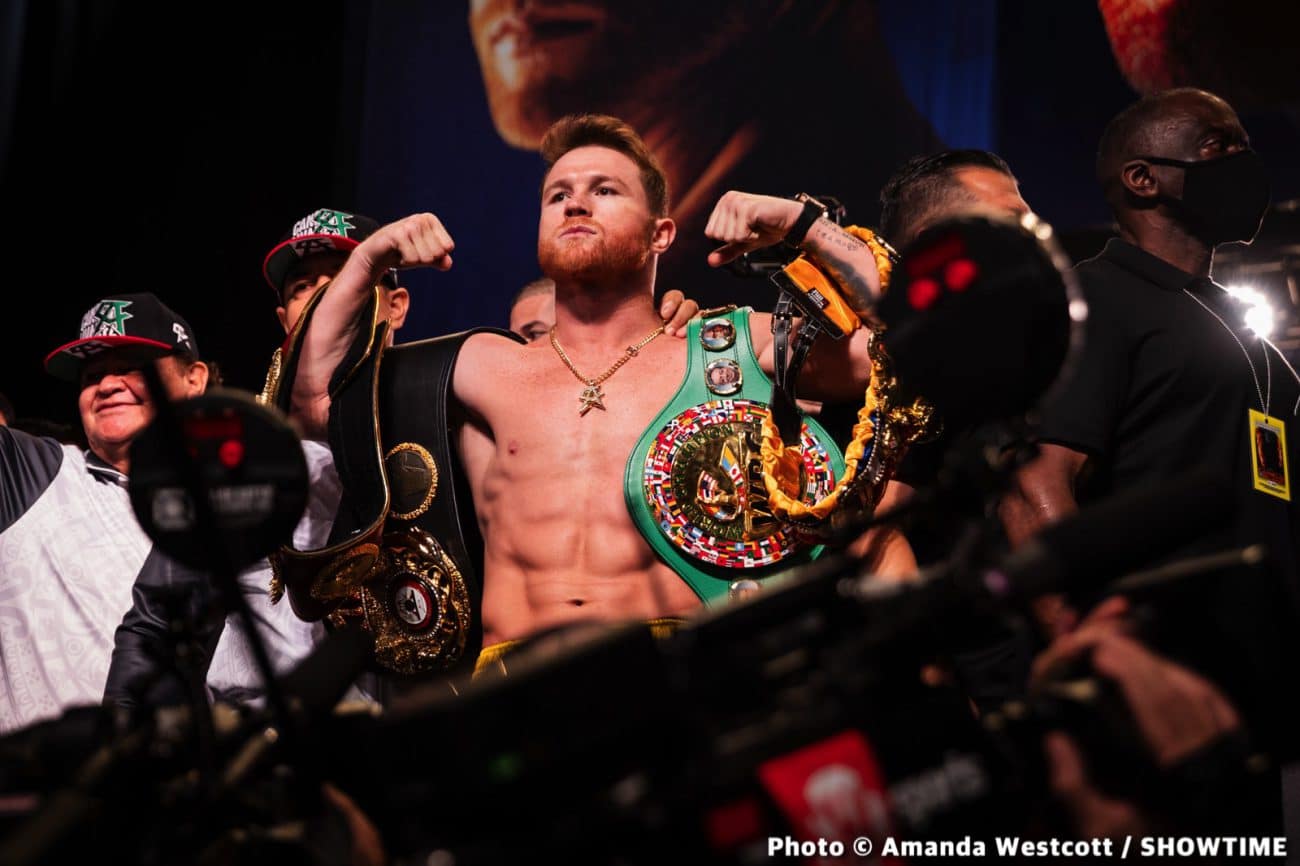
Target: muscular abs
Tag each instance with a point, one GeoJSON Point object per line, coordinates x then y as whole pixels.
{"type": "Point", "coordinates": [548, 487]}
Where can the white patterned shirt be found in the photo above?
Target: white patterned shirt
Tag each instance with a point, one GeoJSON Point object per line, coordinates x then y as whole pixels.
{"type": "Point", "coordinates": [233, 676]}
{"type": "Point", "coordinates": [70, 550]}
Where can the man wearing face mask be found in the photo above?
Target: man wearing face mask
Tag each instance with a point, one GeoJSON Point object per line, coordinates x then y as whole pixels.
{"type": "Point", "coordinates": [1171, 378]}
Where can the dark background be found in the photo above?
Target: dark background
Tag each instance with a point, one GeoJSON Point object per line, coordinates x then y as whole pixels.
{"type": "Point", "coordinates": [166, 152]}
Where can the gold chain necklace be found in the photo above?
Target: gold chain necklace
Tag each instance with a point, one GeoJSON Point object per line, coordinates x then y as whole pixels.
{"type": "Point", "coordinates": [591, 396]}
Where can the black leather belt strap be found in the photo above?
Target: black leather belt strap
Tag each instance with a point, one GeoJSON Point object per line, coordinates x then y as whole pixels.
{"type": "Point", "coordinates": [785, 411]}
{"type": "Point", "coordinates": [416, 406]}
{"type": "Point", "coordinates": [354, 442]}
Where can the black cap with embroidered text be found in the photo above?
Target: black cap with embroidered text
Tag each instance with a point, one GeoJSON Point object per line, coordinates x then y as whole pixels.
{"type": "Point", "coordinates": [321, 231]}
{"type": "Point", "coordinates": [137, 324]}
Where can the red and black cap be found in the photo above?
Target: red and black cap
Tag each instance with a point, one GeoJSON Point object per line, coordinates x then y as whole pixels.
{"type": "Point", "coordinates": [321, 231]}
{"type": "Point", "coordinates": [137, 324]}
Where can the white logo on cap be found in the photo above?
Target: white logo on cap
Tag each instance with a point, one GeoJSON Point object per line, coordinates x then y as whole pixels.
{"type": "Point", "coordinates": [324, 222]}
{"type": "Point", "coordinates": [106, 319]}
{"type": "Point", "coordinates": [179, 330]}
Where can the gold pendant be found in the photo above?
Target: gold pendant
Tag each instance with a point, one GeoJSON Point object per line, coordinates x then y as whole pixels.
{"type": "Point", "coordinates": [591, 399]}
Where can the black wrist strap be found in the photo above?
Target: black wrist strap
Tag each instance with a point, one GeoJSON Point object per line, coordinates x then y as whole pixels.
{"type": "Point", "coordinates": [812, 211]}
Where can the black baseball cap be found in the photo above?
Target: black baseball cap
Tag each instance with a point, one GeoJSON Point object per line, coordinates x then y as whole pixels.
{"type": "Point", "coordinates": [321, 231]}
{"type": "Point", "coordinates": [139, 324]}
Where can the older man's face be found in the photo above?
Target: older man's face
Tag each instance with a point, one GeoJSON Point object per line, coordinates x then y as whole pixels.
{"type": "Point", "coordinates": [542, 60]}
{"type": "Point", "coordinates": [115, 403]}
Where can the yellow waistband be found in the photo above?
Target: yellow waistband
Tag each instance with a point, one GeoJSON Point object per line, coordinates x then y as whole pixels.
{"type": "Point", "coordinates": [660, 627]}
{"type": "Point", "coordinates": [490, 655]}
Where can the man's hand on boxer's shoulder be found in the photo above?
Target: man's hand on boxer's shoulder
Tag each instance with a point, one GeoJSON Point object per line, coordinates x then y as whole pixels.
{"type": "Point", "coordinates": [676, 310]}
{"type": "Point", "coordinates": [743, 221]}
{"type": "Point", "coordinates": [419, 240]}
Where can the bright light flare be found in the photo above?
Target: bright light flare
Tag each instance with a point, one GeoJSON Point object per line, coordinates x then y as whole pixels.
{"type": "Point", "coordinates": [1260, 317]}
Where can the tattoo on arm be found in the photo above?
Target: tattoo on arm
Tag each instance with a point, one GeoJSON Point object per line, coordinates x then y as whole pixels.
{"type": "Point", "coordinates": [843, 255]}
{"type": "Point", "coordinates": [832, 235]}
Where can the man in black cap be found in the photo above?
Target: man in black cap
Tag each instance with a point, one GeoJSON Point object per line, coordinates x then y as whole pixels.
{"type": "Point", "coordinates": [308, 257]}
{"type": "Point", "coordinates": [311, 253]}
{"type": "Point", "coordinates": [70, 547]}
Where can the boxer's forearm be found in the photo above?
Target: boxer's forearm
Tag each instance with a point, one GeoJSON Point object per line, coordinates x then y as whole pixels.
{"type": "Point", "coordinates": [847, 259]}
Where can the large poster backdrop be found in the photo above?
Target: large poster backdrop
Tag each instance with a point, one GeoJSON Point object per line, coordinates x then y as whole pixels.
{"type": "Point", "coordinates": [777, 96]}
{"type": "Point", "coordinates": [761, 95]}
{"type": "Point", "coordinates": [156, 150]}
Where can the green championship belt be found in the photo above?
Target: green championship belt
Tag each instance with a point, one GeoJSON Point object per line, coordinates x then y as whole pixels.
{"type": "Point", "coordinates": [694, 484]}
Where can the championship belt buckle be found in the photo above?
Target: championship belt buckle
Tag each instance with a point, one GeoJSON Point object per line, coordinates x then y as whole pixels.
{"type": "Point", "coordinates": [416, 604]}
{"type": "Point", "coordinates": [703, 482]}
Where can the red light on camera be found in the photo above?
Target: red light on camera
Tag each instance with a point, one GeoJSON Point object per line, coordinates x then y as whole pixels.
{"type": "Point", "coordinates": [959, 274]}
{"type": "Point", "coordinates": [231, 453]}
{"type": "Point", "coordinates": [922, 293]}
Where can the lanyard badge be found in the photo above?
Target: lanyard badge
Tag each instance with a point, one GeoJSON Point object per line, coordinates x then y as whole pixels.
{"type": "Point", "coordinates": [1268, 455]}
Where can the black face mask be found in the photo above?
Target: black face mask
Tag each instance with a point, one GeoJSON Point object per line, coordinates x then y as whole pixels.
{"type": "Point", "coordinates": [1224, 198]}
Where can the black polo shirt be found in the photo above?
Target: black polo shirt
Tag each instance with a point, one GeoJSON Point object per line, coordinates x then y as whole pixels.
{"type": "Point", "coordinates": [1162, 387]}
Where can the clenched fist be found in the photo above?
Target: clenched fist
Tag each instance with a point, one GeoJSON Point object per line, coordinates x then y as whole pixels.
{"type": "Point", "coordinates": [743, 222]}
{"type": "Point", "coordinates": [415, 241]}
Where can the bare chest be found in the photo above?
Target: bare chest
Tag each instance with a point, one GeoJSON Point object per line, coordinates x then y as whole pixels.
{"type": "Point", "coordinates": [552, 428]}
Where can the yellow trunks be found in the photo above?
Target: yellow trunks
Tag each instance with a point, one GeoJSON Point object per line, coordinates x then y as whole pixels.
{"type": "Point", "coordinates": [490, 656]}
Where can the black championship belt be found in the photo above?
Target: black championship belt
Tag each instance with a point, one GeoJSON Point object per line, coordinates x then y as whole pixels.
{"type": "Point", "coordinates": [405, 556]}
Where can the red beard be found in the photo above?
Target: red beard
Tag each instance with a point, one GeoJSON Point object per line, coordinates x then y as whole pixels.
{"type": "Point", "coordinates": [592, 258]}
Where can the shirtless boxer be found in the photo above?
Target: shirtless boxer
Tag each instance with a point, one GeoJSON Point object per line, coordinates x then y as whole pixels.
{"type": "Point", "coordinates": [547, 481]}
